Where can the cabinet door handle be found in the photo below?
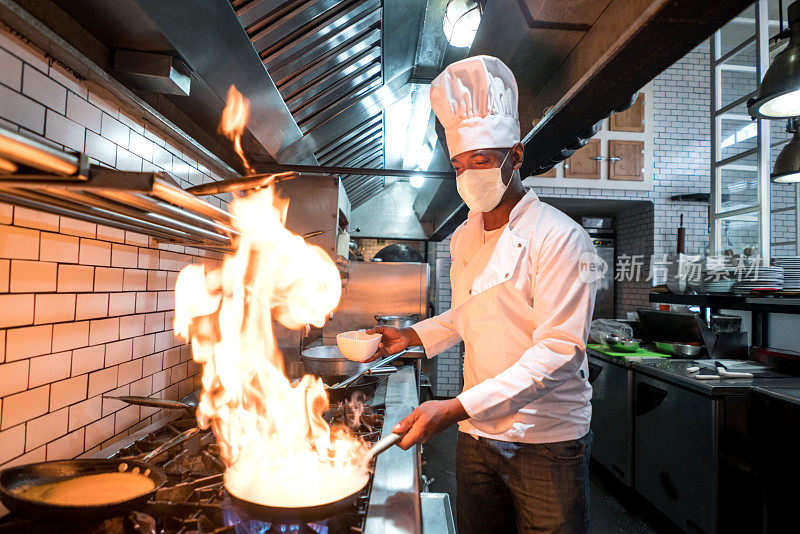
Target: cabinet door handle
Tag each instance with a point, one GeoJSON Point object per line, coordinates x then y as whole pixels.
{"type": "Point", "coordinates": [598, 158]}
{"type": "Point", "coordinates": [614, 158]}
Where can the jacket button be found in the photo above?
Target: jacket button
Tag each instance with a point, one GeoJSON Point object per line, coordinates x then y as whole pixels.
{"type": "Point", "coordinates": [506, 275]}
{"type": "Point", "coordinates": [519, 245]}
{"type": "Point", "coordinates": [470, 292]}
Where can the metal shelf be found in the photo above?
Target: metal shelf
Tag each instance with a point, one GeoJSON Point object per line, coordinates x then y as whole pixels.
{"type": "Point", "coordinates": [771, 304]}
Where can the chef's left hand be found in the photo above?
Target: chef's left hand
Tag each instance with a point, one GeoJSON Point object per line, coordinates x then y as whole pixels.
{"type": "Point", "coordinates": [427, 420]}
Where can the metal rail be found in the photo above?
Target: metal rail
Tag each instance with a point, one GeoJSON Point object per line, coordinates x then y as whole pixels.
{"type": "Point", "coordinates": [149, 203]}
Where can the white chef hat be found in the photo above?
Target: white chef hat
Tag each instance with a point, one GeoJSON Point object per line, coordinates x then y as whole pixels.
{"type": "Point", "coordinates": [475, 99]}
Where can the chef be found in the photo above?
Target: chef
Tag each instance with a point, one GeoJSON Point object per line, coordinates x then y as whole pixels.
{"type": "Point", "coordinates": [522, 301]}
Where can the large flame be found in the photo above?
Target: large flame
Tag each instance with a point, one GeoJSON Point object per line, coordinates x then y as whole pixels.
{"type": "Point", "coordinates": [234, 120]}
{"type": "Point", "coordinates": [278, 448]}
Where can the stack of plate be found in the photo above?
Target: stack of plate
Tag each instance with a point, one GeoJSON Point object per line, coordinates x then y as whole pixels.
{"type": "Point", "coordinates": [715, 279]}
{"type": "Point", "coordinates": [759, 279]}
{"type": "Point", "coordinates": [791, 271]}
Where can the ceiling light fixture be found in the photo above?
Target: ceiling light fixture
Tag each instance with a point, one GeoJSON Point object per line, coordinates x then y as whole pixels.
{"type": "Point", "coordinates": [416, 180]}
{"type": "Point", "coordinates": [787, 164]}
{"type": "Point", "coordinates": [461, 21]}
{"type": "Point", "coordinates": [779, 92]}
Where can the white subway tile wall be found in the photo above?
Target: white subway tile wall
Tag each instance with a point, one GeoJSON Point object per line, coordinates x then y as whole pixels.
{"type": "Point", "coordinates": [681, 165]}
{"type": "Point", "coordinates": [85, 309]}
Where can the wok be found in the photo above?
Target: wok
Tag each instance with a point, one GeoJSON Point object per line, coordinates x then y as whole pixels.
{"type": "Point", "coordinates": [318, 512]}
{"type": "Point", "coordinates": [15, 479]}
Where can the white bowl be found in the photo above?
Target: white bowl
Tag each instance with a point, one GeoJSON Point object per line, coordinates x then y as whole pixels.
{"type": "Point", "coordinates": [357, 345]}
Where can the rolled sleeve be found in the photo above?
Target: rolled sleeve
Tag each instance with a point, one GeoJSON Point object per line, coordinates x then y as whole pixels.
{"type": "Point", "coordinates": [437, 333]}
{"type": "Point", "coordinates": [562, 304]}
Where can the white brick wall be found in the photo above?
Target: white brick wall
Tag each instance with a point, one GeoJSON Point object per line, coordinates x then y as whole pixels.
{"type": "Point", "coordinates": [85, 310]}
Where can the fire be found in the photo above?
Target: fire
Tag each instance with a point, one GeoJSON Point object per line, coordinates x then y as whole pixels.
{"type": "Point", "coordinates": [234, 120]}
{"type": "Point", "coordinates": [278, 448]}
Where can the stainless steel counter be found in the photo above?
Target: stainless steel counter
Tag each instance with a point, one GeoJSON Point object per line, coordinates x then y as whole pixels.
{"type": "Point", "coordinates": [394, 503]}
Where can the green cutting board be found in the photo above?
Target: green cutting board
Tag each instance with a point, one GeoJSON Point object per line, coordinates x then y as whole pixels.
{"type": "Point", "coordinates": [640, 352]}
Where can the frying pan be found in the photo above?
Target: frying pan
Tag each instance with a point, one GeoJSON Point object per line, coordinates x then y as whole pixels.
{"type": "Point", "coordinates": [306, 514]}
{"type": "Point", "coordinates": [15, 479]}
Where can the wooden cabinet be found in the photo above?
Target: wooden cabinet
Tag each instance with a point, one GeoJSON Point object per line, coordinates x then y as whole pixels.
{"type": "Point", "coordinates": [625, 160]}
{"type": "Point", "coordinates": [630, 120]}
{"type": "Point", "coordinates": [549, 174]}
{"type": "Point", "coordinates": [585, 163]}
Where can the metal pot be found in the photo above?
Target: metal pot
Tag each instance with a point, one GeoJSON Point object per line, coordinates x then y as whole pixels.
{"type": "Point", "coordinates": [397, 321]}
{"type": "Point", "coordinates": [327, 361]}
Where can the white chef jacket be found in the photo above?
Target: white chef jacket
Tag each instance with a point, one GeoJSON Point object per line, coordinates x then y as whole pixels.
{"type": "Point", "coordinates": [523, 312]}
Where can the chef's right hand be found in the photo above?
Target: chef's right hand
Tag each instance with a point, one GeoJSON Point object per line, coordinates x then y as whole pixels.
{"type": "Point", "coordinates": [392, 340]}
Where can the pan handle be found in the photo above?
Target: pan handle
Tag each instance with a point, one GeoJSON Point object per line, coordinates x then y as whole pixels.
{"type": "Point", "coordinates": [180, 438]}
{"type": "Point", "coordinates": [384, 444]}
{"type": "Point", "coordinates": [152, 403]}
{"type": "Point", "coordinates": [368, 370]}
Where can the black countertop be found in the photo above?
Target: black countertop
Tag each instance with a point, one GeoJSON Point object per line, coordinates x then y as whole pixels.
{"type": "Point", "coordinates": [674, 371]}
{"type": "Point", "coordinates": [785, 393]}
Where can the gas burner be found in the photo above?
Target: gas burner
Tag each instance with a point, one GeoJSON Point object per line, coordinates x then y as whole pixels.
{"type": "Point", "coordinates": [194, 500]}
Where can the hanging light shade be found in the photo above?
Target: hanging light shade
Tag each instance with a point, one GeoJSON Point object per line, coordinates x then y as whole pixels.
{"type": "Point", "coordinates": [787, 165]}
{"type": "Point", "coordinates": [779, 93]}
{"type": "Point", "coordinates": [461, 21]}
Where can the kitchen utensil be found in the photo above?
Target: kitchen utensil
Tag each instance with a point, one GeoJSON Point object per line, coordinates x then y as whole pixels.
{"type": "Point", "coordinates": [188, 403]}
{"type": "Point", "coordinates": [686, 350]}
{"type": "Point", "coordinates": [298, 514]}
{"type": "Point", "coordinates": [153, 403]}
{"type": "Point", "coordinates": [397, 321]}
{"type": "Point", "coordinates": [368, 370]}
{"type": "Point", "coordinates": [357, 345]}
{"type": "Point", "coordinates": [16, 479]}
{"type": "Point", "coordinates": [328, 361]}
{"type": "Point", "coordinates": [384, 444]}
{"type": "Point", "coordinates": [312, 513]}
{"type": "Point", "coordinates": [620, 344]}
{"type": "Point", "coordinates": [723, 372]}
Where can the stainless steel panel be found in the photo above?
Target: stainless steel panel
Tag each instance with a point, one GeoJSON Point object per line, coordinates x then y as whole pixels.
{"type": "Point", "coordinates": [394, 501]}
{"type": "Point", "coordinates": [210, 39]}
{"type": "Point", "coordinates": [676, 452]}
{"type": "Point", "coordinates": [378, 289]}
{"type": "Point", "coordinates": [313, 206]}
{"type": "Point", "coordinates": [395, 200]}
{"type": "Point", "coordinates": [612, 418]}
{"type": "Point", "coordinates": [437, 514]}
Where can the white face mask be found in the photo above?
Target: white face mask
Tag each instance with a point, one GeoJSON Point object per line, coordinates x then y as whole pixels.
{"type": "Point", "coordinates": [482, 189]}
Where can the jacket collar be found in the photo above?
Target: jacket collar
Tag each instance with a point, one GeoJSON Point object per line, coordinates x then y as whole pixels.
{"type": "Point", "coordinates": [476, 217]}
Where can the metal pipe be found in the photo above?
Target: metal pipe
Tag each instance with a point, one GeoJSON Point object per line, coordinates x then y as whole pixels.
{"type": "Point", "coordinates": [253, 181]}
{"type": "Point", "coordinates": [322, 169]}
{"type": "Point", "coordinates": [7, 167]}
{"type": "Point", "coordinates": [31, 153]}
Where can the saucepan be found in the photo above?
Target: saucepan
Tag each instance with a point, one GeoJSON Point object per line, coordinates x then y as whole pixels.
{"type": "Point", "coordinates": [15, 480]}
{"type": "Point", "coordinates": [311, 513]}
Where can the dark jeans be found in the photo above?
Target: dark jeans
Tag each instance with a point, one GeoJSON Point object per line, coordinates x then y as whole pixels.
{"type": "Point", "coordinates": [522, 487]}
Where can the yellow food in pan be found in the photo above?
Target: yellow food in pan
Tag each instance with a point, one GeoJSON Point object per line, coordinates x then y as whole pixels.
{"type": "Point", "coordinates": [91, 490]}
